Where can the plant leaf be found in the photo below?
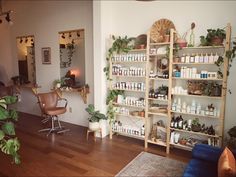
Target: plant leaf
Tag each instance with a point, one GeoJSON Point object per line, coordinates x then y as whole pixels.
{"type": "Point", "coordinates": [8, 128]}
{"type": "Point", "coordinates": [2, 135]}
{"type": "Point", "coordinates": [3, 113]}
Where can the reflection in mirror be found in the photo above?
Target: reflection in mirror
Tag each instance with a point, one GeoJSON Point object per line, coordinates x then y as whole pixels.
{"type": "Point", "coordinates": [72, 57]}
{"type": "Point", "coordinates": [26, 60]}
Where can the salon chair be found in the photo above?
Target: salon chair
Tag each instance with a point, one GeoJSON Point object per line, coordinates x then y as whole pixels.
{"type": "Point", "coordinates": [48, 103]}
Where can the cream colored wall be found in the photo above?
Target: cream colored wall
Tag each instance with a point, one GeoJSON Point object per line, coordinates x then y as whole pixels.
{"type": "Point", "coordinates": [44, 19]}
{"type": "Point", "coordinates": [133, 18]}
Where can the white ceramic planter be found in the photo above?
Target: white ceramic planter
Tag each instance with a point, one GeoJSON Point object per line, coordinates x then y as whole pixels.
{"type": "Point", "coordinates": [94, 125]}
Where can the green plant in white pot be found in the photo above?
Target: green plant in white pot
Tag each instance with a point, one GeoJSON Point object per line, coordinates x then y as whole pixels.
{"type": "Point", "coordinates": [95, 117]}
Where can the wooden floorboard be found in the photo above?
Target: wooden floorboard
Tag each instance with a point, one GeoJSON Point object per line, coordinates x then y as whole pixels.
{"type": "Point", "coordinates": [70, 154]}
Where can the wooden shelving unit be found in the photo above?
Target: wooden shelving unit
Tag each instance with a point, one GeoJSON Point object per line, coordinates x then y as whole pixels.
{"type": "Point", "coordinates": [171, 81]}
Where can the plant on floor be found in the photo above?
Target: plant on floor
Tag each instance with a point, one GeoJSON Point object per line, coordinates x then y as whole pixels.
{"type": "Point", "coordinates": [231, 141]}
{"type": "Point", "coordinates": [120, 45]}
{"type": "Point", "coordinates": [9, 143]}
{"type": "Point", "coordinates": [213, 37]}
{"type": "Point", "coordinates": [95, 116]}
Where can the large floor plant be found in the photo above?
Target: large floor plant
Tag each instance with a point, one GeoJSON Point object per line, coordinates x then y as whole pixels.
{"type": "Point", "coordinates": [9, 143]}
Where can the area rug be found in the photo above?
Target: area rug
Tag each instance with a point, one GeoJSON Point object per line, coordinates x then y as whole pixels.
{"type": "Point", "coordinates": [147, 164]}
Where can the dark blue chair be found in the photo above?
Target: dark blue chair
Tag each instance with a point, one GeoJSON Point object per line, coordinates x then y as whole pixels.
{"type": "Point", "coordinates": [204, 162]}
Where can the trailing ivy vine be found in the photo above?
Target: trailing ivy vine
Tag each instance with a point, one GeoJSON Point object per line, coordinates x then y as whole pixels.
{"type": "Point", "coordinates": [120, 45]}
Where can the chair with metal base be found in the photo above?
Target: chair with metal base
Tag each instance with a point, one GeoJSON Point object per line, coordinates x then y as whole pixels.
{"type": "Point", "coordinates": [48, 103]}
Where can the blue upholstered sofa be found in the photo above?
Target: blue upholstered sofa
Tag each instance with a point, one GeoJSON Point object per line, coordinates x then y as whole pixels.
{"type": "Point", "coordinates": [204, 162]}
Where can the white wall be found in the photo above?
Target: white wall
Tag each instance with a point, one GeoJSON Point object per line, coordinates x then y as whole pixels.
{"type": "Point", "coordinates": [133, 18]}
{"type": "Point", "coordinates": [44, 19]}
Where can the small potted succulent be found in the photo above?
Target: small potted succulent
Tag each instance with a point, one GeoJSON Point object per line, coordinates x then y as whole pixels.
{"type": "Point", "coordinates": [196, 126]}
{"type": "Point", "coordinates": [95, 117]}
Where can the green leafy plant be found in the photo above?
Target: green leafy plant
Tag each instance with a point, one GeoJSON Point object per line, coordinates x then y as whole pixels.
{"type": "Point", "coordinates": [9, 143]}
{"type": "Point", "coordinates": [70, 47]}
{"type": "Point", "coordinates": [120, 45]}
{"type": "Point", "coordinates": [230, 54]}
{"type": "Point", "coordinates": [208, 40]}
{"type": "Point", "coordinates": [95, 116]}
{"type": "Point", "coordinates": [111, 96]}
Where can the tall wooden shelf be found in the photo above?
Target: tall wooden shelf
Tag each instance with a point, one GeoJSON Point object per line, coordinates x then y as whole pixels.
{"type": "Point", "coordinates": [150, 117]}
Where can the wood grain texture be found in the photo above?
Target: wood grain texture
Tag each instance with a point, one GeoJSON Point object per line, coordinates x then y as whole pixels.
{"type": "Point", "coordinates": [70, 154]}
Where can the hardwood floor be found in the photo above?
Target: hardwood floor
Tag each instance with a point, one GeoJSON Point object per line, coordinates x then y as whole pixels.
{"type": "Point", "coordinates": [70, 154]}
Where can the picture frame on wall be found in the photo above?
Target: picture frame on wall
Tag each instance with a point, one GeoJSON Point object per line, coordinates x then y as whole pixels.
{"type": "Point", "coordinates": [46, 55]}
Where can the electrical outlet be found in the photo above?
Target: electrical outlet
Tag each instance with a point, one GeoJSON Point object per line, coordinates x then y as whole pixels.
{"type": "Point", "coordinates": [70, 109]}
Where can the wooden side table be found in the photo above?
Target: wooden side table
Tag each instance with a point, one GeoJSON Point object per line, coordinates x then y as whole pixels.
{"type": "Point", "coordinates": [94, 133]}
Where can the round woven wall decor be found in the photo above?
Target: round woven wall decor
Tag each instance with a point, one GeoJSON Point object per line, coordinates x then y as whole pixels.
{"type": "Point", "coordinates": [159, 29]}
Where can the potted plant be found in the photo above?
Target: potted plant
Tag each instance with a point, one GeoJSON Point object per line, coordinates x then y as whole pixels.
{"type": "Point", "coordinates": [196, 126]}
{"type": "Point", "coordinates": [58, 83]}
{"type": "Point", "coordinates": [231, 141]}
{"type": "Point", "coordinates": [95, 117]}
{"type": "Point", "coordinates": [167, 36]}
{"type": "Point", "coordinates": [214, 37]}
{"type": "Point", "coordinates": [9, 143]}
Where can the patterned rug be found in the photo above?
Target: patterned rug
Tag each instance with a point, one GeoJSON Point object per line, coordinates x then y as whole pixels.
{"type": "Point", "coordinates": [146, 164]}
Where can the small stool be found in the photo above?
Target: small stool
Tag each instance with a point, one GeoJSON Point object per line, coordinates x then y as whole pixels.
{"type": "Point", "coordinates": [94, 133]}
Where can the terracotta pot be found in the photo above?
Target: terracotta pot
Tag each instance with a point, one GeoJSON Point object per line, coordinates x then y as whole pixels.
{"type": "Point", "coordinates": [166, 38]}
{"type": "Point", "coordinates": [181, 42]}
{"type": "Point", "coordinates": [217, 41]}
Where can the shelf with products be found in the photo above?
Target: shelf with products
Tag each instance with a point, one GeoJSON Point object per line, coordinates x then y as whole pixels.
{"type": "Point", "coordinates": [129, 135]}
{"type": "Point", "coordinates": [157, 97]}
{"type": "Point", "coordinates": [196, 133]}
{"type": "Point", "coordinates": [197, 115]}
{"type": "Point", "coordinates": [126, 105]}
{"type": "Point", "coordinates": [129, 116]}
{"type": "Point", "coordinates": [143, 77]}
{"type": "Point", "coordinates": [198, 96]}
{"type": "Point", "coordinates": [197, 67]}
{"type": "Point", "coordinates": [205, 79]}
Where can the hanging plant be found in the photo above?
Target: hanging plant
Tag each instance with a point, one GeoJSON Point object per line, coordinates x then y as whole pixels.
{"type": "Point", "coordinates": [120, 45]}
{"type": "Point", "coordinates": [70, 47]}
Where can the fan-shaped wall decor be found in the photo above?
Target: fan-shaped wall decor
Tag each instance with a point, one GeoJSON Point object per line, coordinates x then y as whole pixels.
{"type": "Point", "coordinates": [159, 29]}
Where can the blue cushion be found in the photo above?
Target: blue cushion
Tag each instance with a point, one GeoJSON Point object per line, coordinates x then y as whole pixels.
{"type": "Point", "coordinates": [199, 168]}
{"type": "Point", "coordinates": [206, 153]}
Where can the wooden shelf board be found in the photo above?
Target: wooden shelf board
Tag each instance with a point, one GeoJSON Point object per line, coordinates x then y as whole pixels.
{"type": "Point", "coordinates": [160, 43]}
{"type": "Point", "coordinates": [159, 79]}
{"type": "Point", "coordinates": [138, 50]}
{"type": "Point", "coordinates": [128, 135]}
{"type": "Point", "coordinates": [205, 47]}
{"type": "Point", "coordinates": [182, 146]}
{"type": "Point", "coordinates": [198, 96]}
{"type": "Point", "coordinates": [179, 78]}
{"type": "Point", "coordinates": [193, 63]}
{"type": "Point", "coordinates": [159, 142]}
{"type": "Point", "coordinates": [198, 115]}
{"type": "Point", "coordinates": [154, 99]}
{"type": "Point", "coordinates": [124, 105]}
{"type": "Point", "coordinates": [195, 133]}
{"type": "Point", "coordinates": [158, 114]}
{"type": "Point", "coordinates": [161, 55]}
{"type": "Point", "coordinates": [138, 117]}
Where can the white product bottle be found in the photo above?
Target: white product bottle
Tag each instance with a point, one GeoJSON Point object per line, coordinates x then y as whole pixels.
{"type": "Point", "coordinates": [196, 58]}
